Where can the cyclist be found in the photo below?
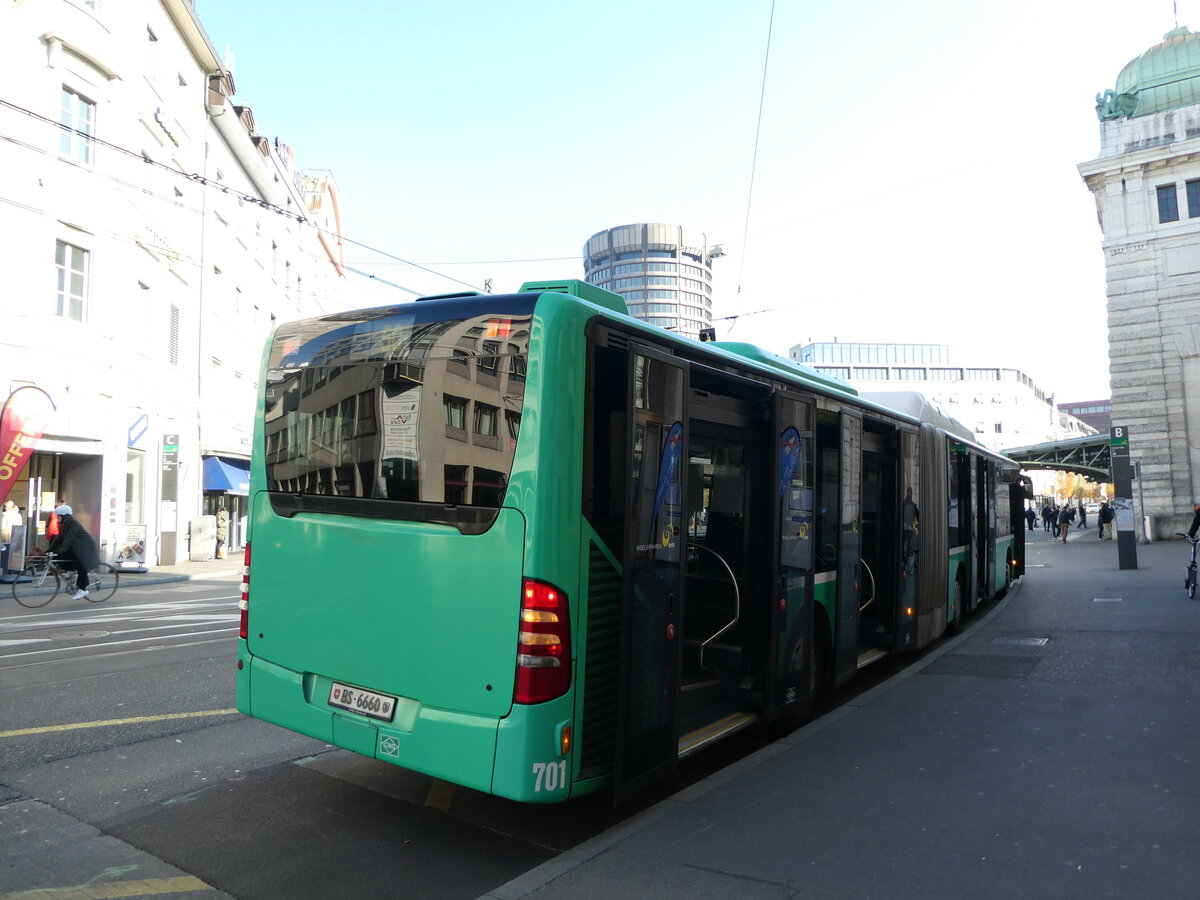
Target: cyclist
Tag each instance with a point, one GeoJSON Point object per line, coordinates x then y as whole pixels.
{"type": "Point", "coordinates": [76, 548]}
{"type": "Point", "coordinates": [1195, 524]}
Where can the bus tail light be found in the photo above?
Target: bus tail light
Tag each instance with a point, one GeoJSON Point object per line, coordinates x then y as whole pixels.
{"type": "Point", "coordinates": [543, 644]}
{"type": "Point", "coordinates": [244, 602]}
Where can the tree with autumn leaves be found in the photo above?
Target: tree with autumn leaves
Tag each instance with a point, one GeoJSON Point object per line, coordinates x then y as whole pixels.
{"type": "Point", "coordinates": [1079, 488]}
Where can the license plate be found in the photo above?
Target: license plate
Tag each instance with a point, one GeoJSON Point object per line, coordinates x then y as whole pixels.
{"type": "Point", "coordinates": [377, 706]}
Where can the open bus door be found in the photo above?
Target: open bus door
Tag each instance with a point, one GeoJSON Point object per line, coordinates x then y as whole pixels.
{"type": "Point", "coordinates": [792, 673]}
{"type": "Point", "coordinates": [849, 546]}
{"type": "Point", "coordinates": [652, 589]}
{"type": "Point", "coordinates": [1016, 512]}
{"type": "Point", "coordinates": [985, 527]}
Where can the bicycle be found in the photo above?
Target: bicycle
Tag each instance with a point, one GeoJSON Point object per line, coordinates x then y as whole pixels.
{"type": "Point", "coordinates": [43, 577]}
{"type": "Point", "coordinates": [1189, 578]}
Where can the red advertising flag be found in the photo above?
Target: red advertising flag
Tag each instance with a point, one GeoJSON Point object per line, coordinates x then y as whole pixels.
{"type": "Point", "coordinates": [22, 422]}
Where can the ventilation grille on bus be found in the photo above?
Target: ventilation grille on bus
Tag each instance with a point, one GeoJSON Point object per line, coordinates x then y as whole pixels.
{"type": "Point", "coordinates": [601, 681]}
{"type": "Point", "coordinates": [617, 341]}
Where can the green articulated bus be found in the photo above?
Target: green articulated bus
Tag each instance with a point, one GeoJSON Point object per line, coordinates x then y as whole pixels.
{"type": "Point", "coordinates": [528, 544]}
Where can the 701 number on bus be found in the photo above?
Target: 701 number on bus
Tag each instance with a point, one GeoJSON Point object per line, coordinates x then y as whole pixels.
{"type": "Point", "coordinates": [549, 776]}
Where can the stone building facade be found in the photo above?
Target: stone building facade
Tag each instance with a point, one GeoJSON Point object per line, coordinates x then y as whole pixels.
{"type": "Point", "coordinates": [1146, 182]}
{"type": "Point", "coordinates": [150, 239]}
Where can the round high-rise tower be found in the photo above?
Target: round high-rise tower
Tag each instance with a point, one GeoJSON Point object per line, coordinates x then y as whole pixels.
{"type": "Point", "coordinates": [664, 273]}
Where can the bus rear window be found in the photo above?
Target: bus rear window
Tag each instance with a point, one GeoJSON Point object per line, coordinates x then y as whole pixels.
{"type": "Point", "coordinates": [408, 412]}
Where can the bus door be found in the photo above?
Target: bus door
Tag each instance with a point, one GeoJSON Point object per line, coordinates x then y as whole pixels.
{"type": "Point", "coordinates": [880, 552]}
{"type": "Point", "coordinates": [791, 674]}
{"type": "Point", "coordinates": [652, 587]}
{"type": "Point", "coordinates": [729, 551]}
{"type": "Point", "coordinates": [987, 526]}
{"type": "Point", "coordinates": [849, 546]}
{"type": "Point", "coordinates": [962, 524]}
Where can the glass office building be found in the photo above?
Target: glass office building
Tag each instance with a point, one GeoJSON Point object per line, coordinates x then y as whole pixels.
{"type": "Point", "coordinates": [664, 273]}
{"type": "Point", "coordinates": [873, 354]}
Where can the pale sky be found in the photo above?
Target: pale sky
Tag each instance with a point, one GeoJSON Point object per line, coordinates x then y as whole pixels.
{"type": "Point", "coordinates": [916, 171]}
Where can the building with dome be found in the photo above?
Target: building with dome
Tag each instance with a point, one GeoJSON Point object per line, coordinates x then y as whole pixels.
{"type": "Point", "coordinates": [1146, 182]}
{"type": "Point", "coordinates": [663, 272]}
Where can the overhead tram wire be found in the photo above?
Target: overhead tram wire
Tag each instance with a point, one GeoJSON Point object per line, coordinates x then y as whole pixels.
{"type": "Point", "coordinates": [762, 93]}
{"type": "Point", "coordinates": [249, 198]}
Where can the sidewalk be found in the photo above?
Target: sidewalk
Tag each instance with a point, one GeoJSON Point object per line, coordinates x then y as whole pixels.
{"type": "Point", "coordinates": [185, 571]}
{"type": "Point", "coordinates": [1050, 751]}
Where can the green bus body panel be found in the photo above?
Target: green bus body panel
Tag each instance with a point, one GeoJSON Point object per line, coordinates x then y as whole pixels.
{"type": "Point", "coordinates": [527, 744]}
{"type": "Point", "coordinates": [1004, 548]}
{"type": "Point", "coordinates": [825, 593]}
{"type": "Point", "coordinates": [332, 596]}
{"type": "Point", "coordinates": [582, 289]}
{"type": "Point", "coordinates": [440, 743]}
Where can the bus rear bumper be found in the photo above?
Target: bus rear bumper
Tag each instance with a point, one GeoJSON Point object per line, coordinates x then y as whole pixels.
{"type": "Point", "coordinates": [453, 746]}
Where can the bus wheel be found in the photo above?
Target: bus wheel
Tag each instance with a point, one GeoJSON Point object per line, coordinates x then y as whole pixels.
{"type": "Point", "coordinates": [955, 625]}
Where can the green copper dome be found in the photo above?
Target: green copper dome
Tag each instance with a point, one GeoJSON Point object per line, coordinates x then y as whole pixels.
{"type": "Point", "coordinates": [1167, 76]}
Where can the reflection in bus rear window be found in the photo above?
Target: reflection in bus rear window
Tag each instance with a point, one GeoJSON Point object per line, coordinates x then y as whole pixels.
{"type": "Point", "coordinates": [411, 403]}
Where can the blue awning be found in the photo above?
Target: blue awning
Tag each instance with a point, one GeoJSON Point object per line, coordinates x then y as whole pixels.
{"type": "Point", "coordinates": [229, 475]}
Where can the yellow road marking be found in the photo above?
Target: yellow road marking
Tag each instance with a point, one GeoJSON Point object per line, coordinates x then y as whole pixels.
{"type": "Point", "coordinates": [440, 795]}
{"type": "Point", "coordinates": [46, 729]}
{"type": "Point", "coordinates": [148, 887]}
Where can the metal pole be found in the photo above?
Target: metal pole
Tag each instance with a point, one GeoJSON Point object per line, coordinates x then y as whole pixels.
{"type": "Point", "coordinates": [1137, 471]}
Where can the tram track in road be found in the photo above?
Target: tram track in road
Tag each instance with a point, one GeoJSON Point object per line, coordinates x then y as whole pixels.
{"type": "Point", "coordinates": [53, 636]}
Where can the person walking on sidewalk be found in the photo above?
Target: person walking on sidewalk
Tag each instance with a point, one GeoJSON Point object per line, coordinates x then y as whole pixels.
{"type": "Point", "coordinates": [1082, 515]}
{"type": "Point", "coordinates": [1064, 521]}
{"type": "Point", "coordinates": [1105, 517]}
{"type": "Point", "coordinates": [222, 530]}
{"type": "Point", "coordinates": [76, 548]}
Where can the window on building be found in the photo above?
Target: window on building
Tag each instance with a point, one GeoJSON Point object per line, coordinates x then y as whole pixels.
{"type": "Point", "coordinates": [78, 118]}
{"type": "Point", "coordinates": [1193, 198]}
{"type": "Point", "coordinates": [485, 419]}
{"type": "Point", "coordinates": [456, 411]}
{"type": "Point", "coordinates": [1168, 203]}
{"type": "Point", "coordinates": [72, 264]}
{"type": "Point", "coordinates": [488, 362]}
{"type": "Point", "coordinates": [871, 373]}
{"type": "Point", "coordinates": [842, 372]}
{"type": "Point", "coordinates": [981, 374]}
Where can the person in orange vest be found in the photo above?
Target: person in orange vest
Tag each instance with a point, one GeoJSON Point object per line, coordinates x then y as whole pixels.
{"type": "Point", "coordinates": [52, 523]}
